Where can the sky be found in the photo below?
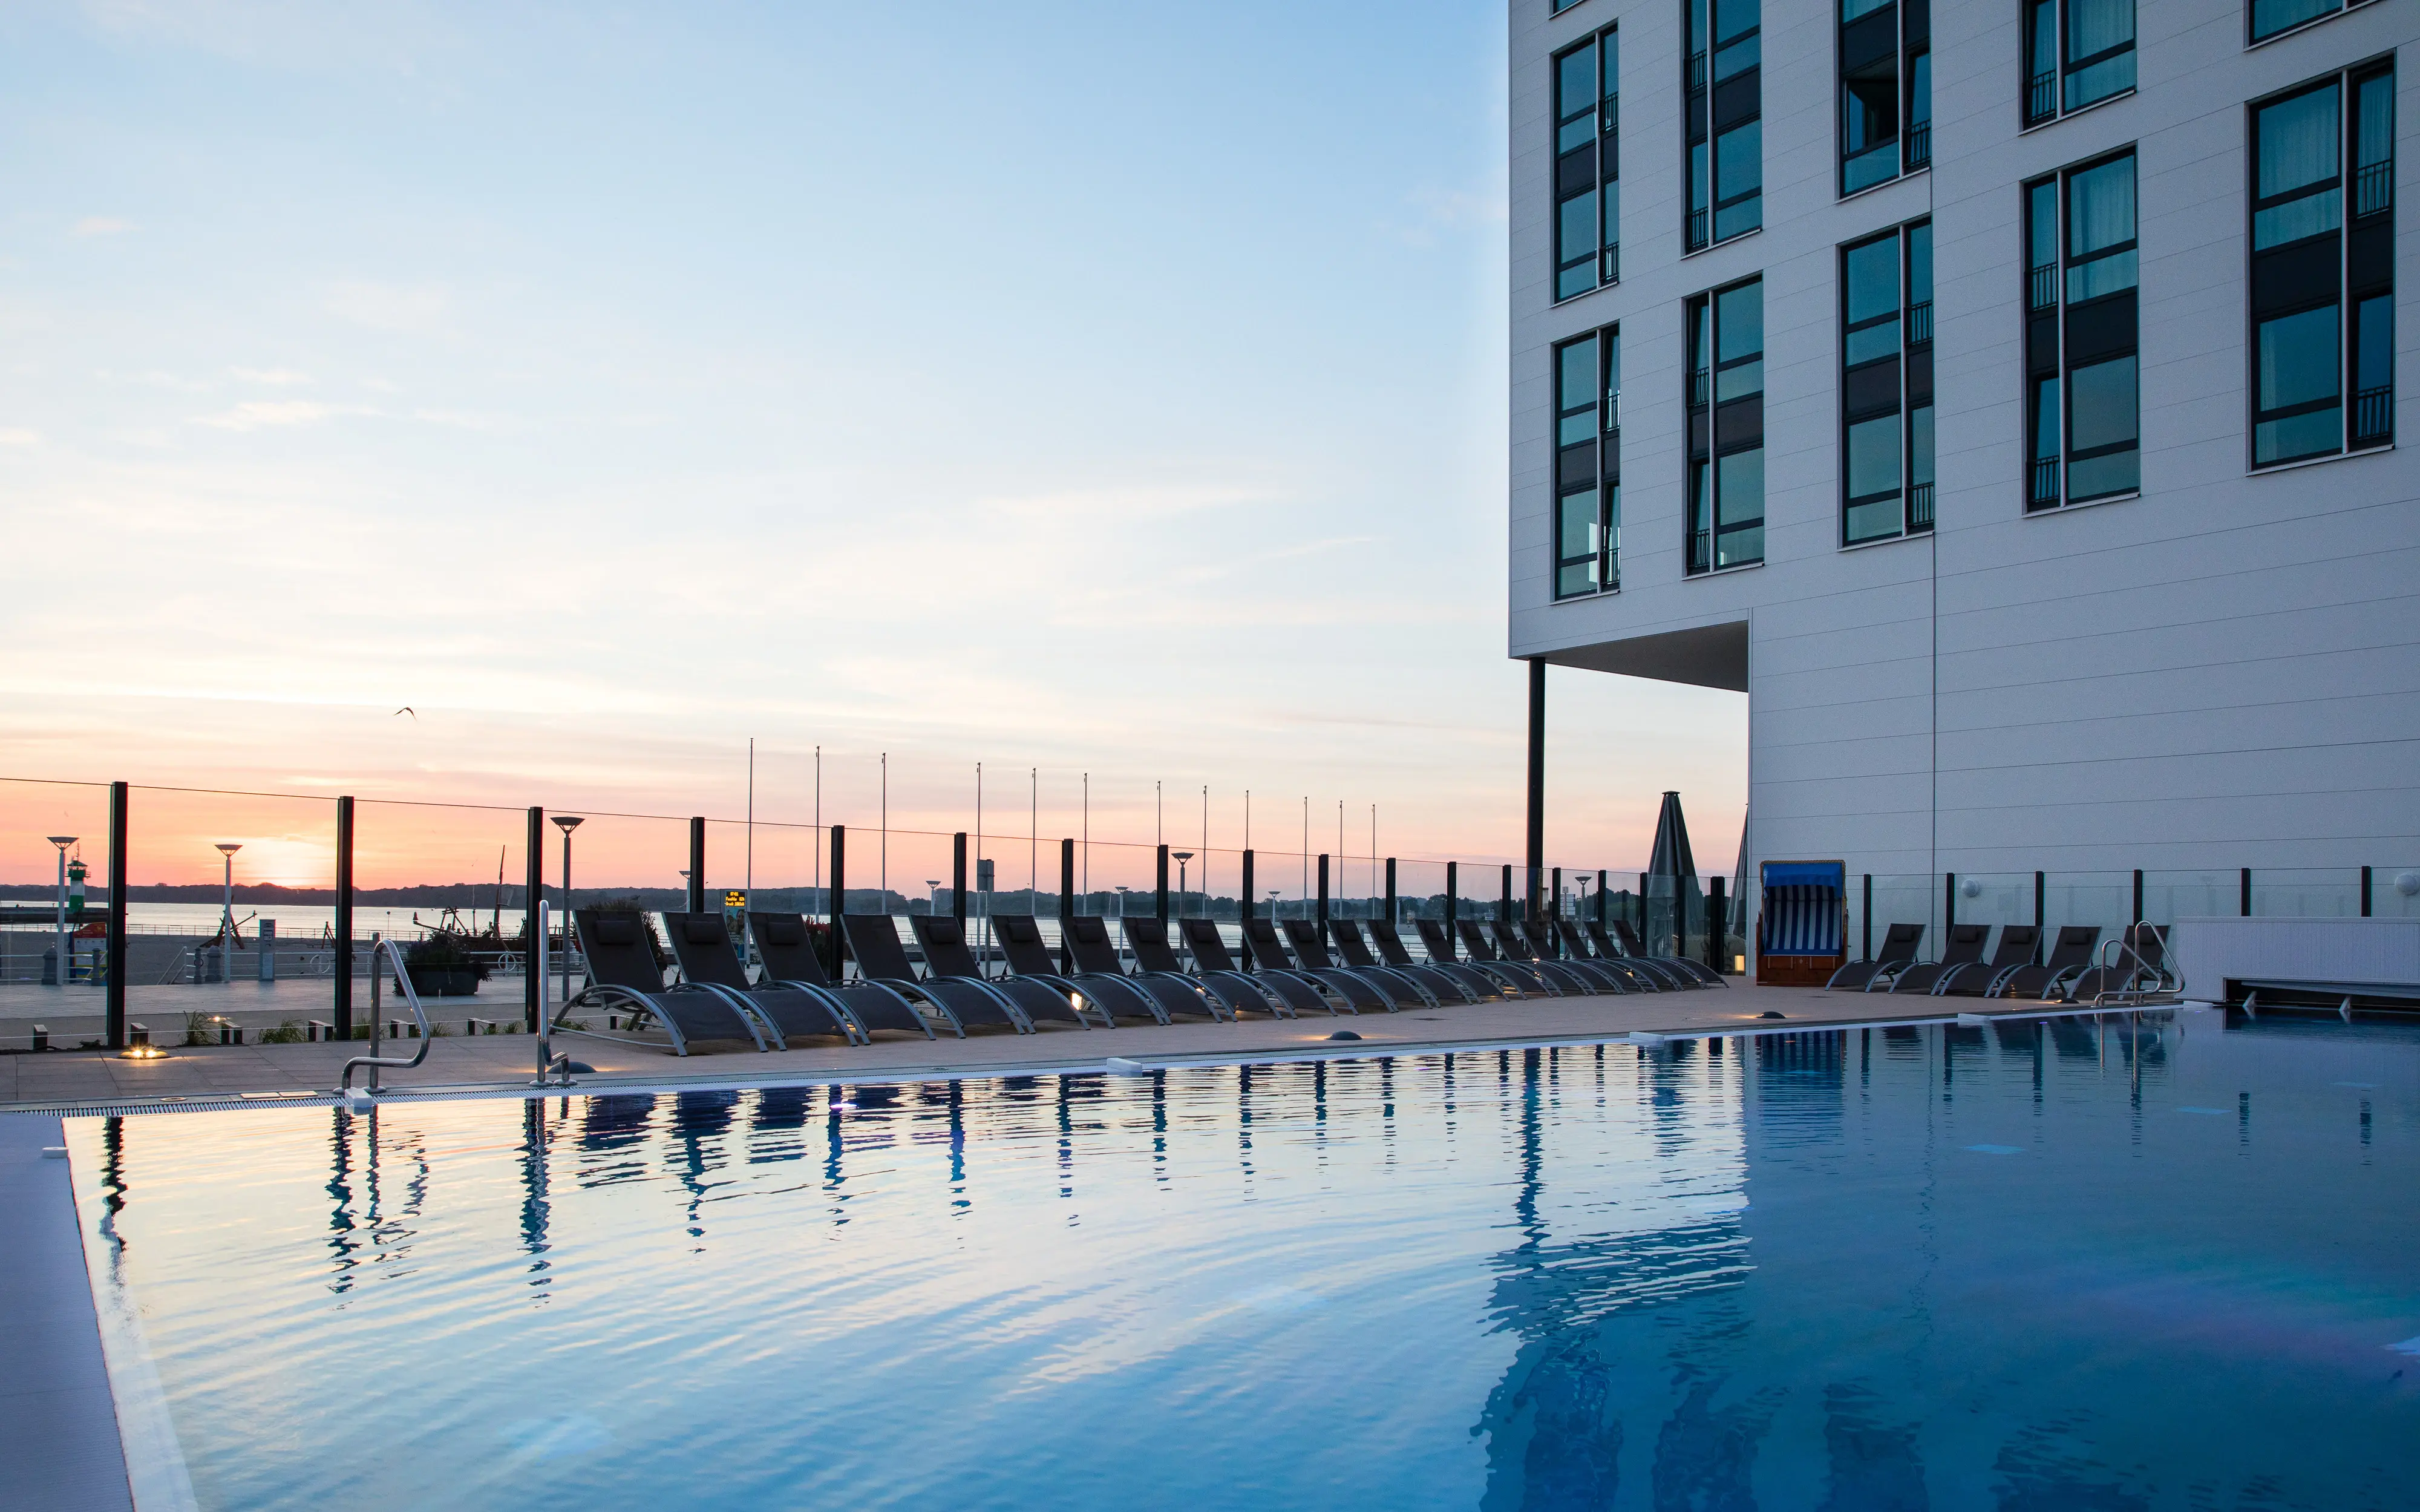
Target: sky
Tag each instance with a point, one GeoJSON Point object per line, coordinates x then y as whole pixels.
{"type": "Point", "coordinates": [1071, 388]}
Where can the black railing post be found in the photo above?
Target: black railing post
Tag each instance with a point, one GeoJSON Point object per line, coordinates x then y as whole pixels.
{"type": "Point", "coordinates": [533, 947]}
{"type": "Point", "coordinates": [2138, 895]}
{"type": "Point", "coordinates": [1251, 907]}
{"type": "Point", "coordinates": [1504, 909]}
{"type": "Point", "coordinates": [114, 1030]}
{"type": "Point", "coordinates": [958, 876]}
{"type": "Point", "coordinates": [1866, 913]}
{"type": "Point", "coordinates": [2364, 892]}
{"type": "Point", "coordinates": [1950, 904]}
{"type": "Point", "coordinates": [2040, 889]}
{"type": "Point", "coordinates": [1601, 878]}
{"type": "Point", "coordinates": [1067, 904]}
{"type": "Point", "coordinates": [839, 899]}
{"type": "Point", "coordinates": [697, 865]}
{"type": "Point", "coordinates": [1321, 915]}
{"type": "Point", "coordinates": [1555, 894]}
{"type": "Point", "coordinates": [1536, 857]}
{"type": "Point", "coordinates": [1391, 889]}
{"type": "Point", "coordinates": [343, 1007]}
{"type": "Point", "coordinates": [1453, 896]}
{"type": "Point", "coordinates": [1718, 954]}
{"type": "Point", "coordinates": [2244, 904]}
{"type": "Point", "coordinates": [1159, 890]}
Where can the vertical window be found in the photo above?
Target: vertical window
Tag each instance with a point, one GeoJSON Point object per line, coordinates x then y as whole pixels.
{"type": "Point", "coordinates": [1587, 183]}
{"type": "Point", "coordinates": [1886, 385]}
{"type": "Point", "coordinates": [1886, 91]}
{"type": "Point", "coordinates": [2323, 268]}
{"type": "Point", "coordinates": [1725, 132]}
{"type": "Point", "coordinates": [2082, 418]}
{"type": "Point", "coordinates": [1587, 464]}
{"type": "Point", "coordinates": [1725, 481]}
{"type": "Point", "coordinates": [2078, 52]}
{"type": "Point", "coordinates": [2271, 17]}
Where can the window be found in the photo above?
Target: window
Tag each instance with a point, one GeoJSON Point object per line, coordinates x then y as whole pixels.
{"type": "Point", "coordinates": [1587, 183]}
{"type": "Point", "coordinates": [1726, 517]}
{"type": "Point", "coordinates": [2271, 17]}
{"type": "Point", "coordinates": [1561, 5]}
{"type": "Point", "coordinates": [2081, 402]}
{"type": "Point", "coordinates": [1587, 464]}
{"type": "Point", "coordinates": [1886, 91]}
{"type": "Point", "coordinates": [1725, 132]}
{"type": "Point", "coordinates": [1886, 385]}
{"type": "Point", "coordinates": [2078, 52]}
{"type": "Point", "coordinates": [2323, 268]}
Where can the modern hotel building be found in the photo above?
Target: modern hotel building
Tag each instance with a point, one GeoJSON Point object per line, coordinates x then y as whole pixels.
{"type": "Point", "coordinates": [2003, 396]}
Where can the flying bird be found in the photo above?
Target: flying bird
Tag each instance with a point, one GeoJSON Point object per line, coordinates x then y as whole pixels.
{"type": "Point", "coordinates": [406, 710]}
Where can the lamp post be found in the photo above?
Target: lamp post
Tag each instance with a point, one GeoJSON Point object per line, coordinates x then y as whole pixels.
{"type": "Point", "coordinates": [932, 895]}
{"type": "Point", "coordinates": [566, 823]}
{"type": "Point", "coordinates": [227, 904]}
{"type": "Point", "coordinates": [1273, 902]}
{"type": "Point", "coordinates": [1182, 857]}
{"type": "Point", "coordinates": [62, 841]}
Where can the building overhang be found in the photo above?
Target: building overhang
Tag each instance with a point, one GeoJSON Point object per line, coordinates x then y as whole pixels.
{"type": "Point", "coordinates": [1708, 656]}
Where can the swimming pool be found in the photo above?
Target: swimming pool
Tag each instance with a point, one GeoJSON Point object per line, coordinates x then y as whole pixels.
{"type": "Point", "coordinates": [2099, 1265]}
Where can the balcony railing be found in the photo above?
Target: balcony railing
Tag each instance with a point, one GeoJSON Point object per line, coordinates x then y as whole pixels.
{"type": "Point", "coordinates": [1613, 264]}
{"type": "Point", "coordinates": [1696, 229]}
{"type": "Point", "coordinates": [1696, 72]}
{"type": "Point", "coordinates": [1919, 144]}
{"type": "Point", "coordinates": [2373, 189]}
{"type": "Point", "coordinates": [1919, 323]}
{"type": "Point", "coordinates": [2041, 96]}
{"type": "Point", "coordinates": [1699, 384]}
{"type": "Point", "coordinates": [2044, 492]}
{"type": "Point", "coordinates": [1919, 507]}
{"type": "Point", "coordinates": [1701, 550]}
{"type": "Point", "coordinates": [2041, 287]}
{"type": "Point", "coordinates": [2373, 416]}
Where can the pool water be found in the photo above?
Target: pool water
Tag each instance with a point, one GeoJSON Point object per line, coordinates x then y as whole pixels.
{"type": "Point", "coordinates": [2172, 1263]}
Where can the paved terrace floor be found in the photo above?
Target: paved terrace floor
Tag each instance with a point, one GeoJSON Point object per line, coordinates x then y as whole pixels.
{"type": "Point", "coordinates": [65, 1079]}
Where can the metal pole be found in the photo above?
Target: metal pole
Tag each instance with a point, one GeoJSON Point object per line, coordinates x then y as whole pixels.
{"type": "Point", "coordinates": [1537, 825]}
{"type": "Point", "coordinates": [2364, 892]}
{"type": "Point", "coordinates": [1453, 896]}
{"type": "Point", "coordinates": [1602, 876]}
{"type": "Point", "coordinates": [2040, 890]}
{"type": "Point", "coordinates": [958, 878]}
{"type": "Point", "coordinates": [1391, 890]}
{"type": "Point", "coordinates": [1162, 885]}
{"type": "Point", "coordinates": [1555, 894]}
{"type": "Point", "coordinates": [839, 896]}
{"type": "Point", "coordinates": [747, 871]}
{"type": "Point", "coordinates": [1507, 913]}
{"type": "Point", "coordinates": [344, 963]}
{"type": "Point", "coordinates": [1868, 914]}
{"type": "Point", "coordinates": [2243, 905]}
{"type": "Point", "coordinates": [59, 929]}
{"type": "Point", "coordinates": [1321, 915]}
{"type": "Point", "coordinates": [534, 990]}
{"type": "Point", "coordinates": [1949, 905]}
{"type": "Point", "coordinates": [697, 863]}
{"type": "Point", "coordinates": [1066, 903]}
{"type": "Point", "coordinates": [114, 1002]}
{"type": "Point", "coordinates": [1717, 926]}
{"type": "Point", "coordinates": [2138, 895]}
{"type": "Point", "coordinates": [1249, 906]}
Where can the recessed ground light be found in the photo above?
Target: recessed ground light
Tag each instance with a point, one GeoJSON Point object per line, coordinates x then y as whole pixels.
{"type": "Point", "coordinates": [1771, 1014]}
{"type": "Point", "coordinates": [1344, 1034]}
{"type": "Point", "coordinates": [143, 1052]}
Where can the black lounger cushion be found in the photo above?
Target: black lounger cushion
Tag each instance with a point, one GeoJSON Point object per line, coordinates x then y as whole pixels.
{"type": "Point", "coordinates": [782, 931]}
{"type": "Point", "coordinates": [702, 930]}
{"type": "Point", "coordinates": [617, 929]}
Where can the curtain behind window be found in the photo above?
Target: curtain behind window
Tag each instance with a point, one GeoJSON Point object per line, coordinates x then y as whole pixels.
{"type": "Point", "coordinates": [2298, 141]}
{"type": "Point", "coordinates": [2101, 207]}
{"type": "Point", "coordinates": [2098, 26]}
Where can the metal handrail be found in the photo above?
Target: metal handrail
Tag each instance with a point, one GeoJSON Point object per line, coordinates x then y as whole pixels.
{"type": "Point", "coordinates": [549, 1063]}
{"type": "Point", "coordinates": [393, 953]}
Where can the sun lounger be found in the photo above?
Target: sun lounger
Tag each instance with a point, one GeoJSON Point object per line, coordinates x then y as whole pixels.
{"type": "Point", "coordinates": [944, 940]}
{"type": "Point", "coordinates": [1439, 943]}
{"type": "Point", "coordinates": [1393, 956]}
{"type": "Point", "coordinates": [1481, 950]}
{"type": "Point", "coordinates": [1539, 935]}
{"type": "Point", "coordinates": [2135, 966]}
{"type": "Point", "coordinates": [1577, 946]}
{"type": "Point", "coordinates": [703, 949]}
{"type": "Point", "coordinates": [1170, 991]}
{"type": "Point", "coordinates": [1896, 956]}
{"type": "Point", "coordinates": [873, 940]}
{"type": "Point", "coordinates": [1514, 945]}
{"type": "Point", "coordinates": [1658, 975]}
{"type": "Point", "coordinates": [1269, 958]}
{"type": "Point", "coordinates": [1434, 987]}
{"type": "Point", "coordinates": [1111, 994]}
{"type": "Point", "coordinates": [623, 976]}
{"type": "Point", "coordinates": [1311, 948]}
{"type": "Point", "coordinates": [1208, 948]}
{"type": "Point", "coordinates": [1964, 948]}
{"type": "Point", "coordinates": [2070, 956]}
{"type": "Point", "coordinates": [1680, 969]}
{"type": "Point", "coordinates": [788, 949]}
{"type": "Point", "coordinates": [2018, 942]}
{"type": "Point", "coordinates": [1237, 993]}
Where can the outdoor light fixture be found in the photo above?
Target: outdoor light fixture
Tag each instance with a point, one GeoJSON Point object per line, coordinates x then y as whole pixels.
{"type": "Point", "coordinates": [2407, 883]}
{"type": "Point", "coordinates": [226, 915]}
{"type": "Point", "coordinates": [566, 823]}
{"type": "Point", "coordinates": [62, 841]}
{"type": "Point", "coordinates": [1182, 857]}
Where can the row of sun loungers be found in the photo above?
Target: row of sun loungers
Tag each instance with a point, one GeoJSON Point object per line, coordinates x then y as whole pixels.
{"type": "Point", "coordinates": [1292, 973]}
{"type": "Point", "coordinates": [2078, 969]}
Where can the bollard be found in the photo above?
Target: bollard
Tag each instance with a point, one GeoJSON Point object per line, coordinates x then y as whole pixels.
{"type": "Point", "coordinates": [51, 966]}
{"type": "Point", "coordinates": [268, 942]}
{"type": "Point", "coordinates": [314, 1030]}
{"type": "Point", "coordinates": [41, 1037]}
{"type": "Point", "coordinates": [138, 1033]}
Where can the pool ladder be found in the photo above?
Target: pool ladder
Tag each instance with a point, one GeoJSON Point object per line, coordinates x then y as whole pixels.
{"type": "Point", "coordinates": [382, 945]}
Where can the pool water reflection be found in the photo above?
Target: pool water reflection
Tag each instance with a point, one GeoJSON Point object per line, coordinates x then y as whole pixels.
{"type": "Point", "coordinates": [2080, 1264]}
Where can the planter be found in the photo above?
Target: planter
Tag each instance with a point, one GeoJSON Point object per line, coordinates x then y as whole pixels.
{"type": "Point", "coordinates": [445, 981]}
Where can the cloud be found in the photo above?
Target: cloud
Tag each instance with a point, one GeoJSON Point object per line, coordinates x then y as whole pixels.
{"type": "Point", "coordinates": [416, 309]}
{"type": "Point", "coordinates": [274, 377]}
{"type": "Point", "coordinates": [19, 436]}
{"type": "Point", "coordinates": [101, 225]}
{"type": "Point", "coordinates": [254, 415]}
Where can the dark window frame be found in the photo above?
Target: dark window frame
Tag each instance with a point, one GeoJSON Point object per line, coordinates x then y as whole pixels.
{"type": "Point", "coordinates": [2254, 37]}
{"type": "Point", "coordinates": [1711, 437]}
{"type": "Point", "coordinates": [1590, 168]}
{"type": "Point", "coordinates": [1598, 457]}
{"type": "Point", "coordinates": [1911, 391]}
{"type": "Point", "coordinates": [1909, 143]}
{"type": "Point", "coordinates": [2357, 250]}
{"type": "Point", "coordinates": [2049, 290]}
{"type": "Point", "coordinates": [1700, 94]}
{"type": "Point", "coordinates": [2043, 92]}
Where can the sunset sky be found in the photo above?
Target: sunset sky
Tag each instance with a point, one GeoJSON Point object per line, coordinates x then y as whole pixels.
{"type": "Point", "coordinates": [1072, 387]}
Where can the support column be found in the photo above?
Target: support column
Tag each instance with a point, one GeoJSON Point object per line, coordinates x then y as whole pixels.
{"type": "Point", "coordinates": [697, 865]}
{"type": "Point", "coordinates": [115, 998]}
{"type": "Point", "coordinates": [532, 888]}
{"type": "Point", "coordinates": [343, 1007]}
{"type": "Point", "coordinates": [1537, 826]}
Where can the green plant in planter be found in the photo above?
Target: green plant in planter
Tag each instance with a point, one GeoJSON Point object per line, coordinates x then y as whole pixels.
{"type": "Point", "coordinates": [197, 1029]}
{"type": "Point", "coordinates": [288, 1032]}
